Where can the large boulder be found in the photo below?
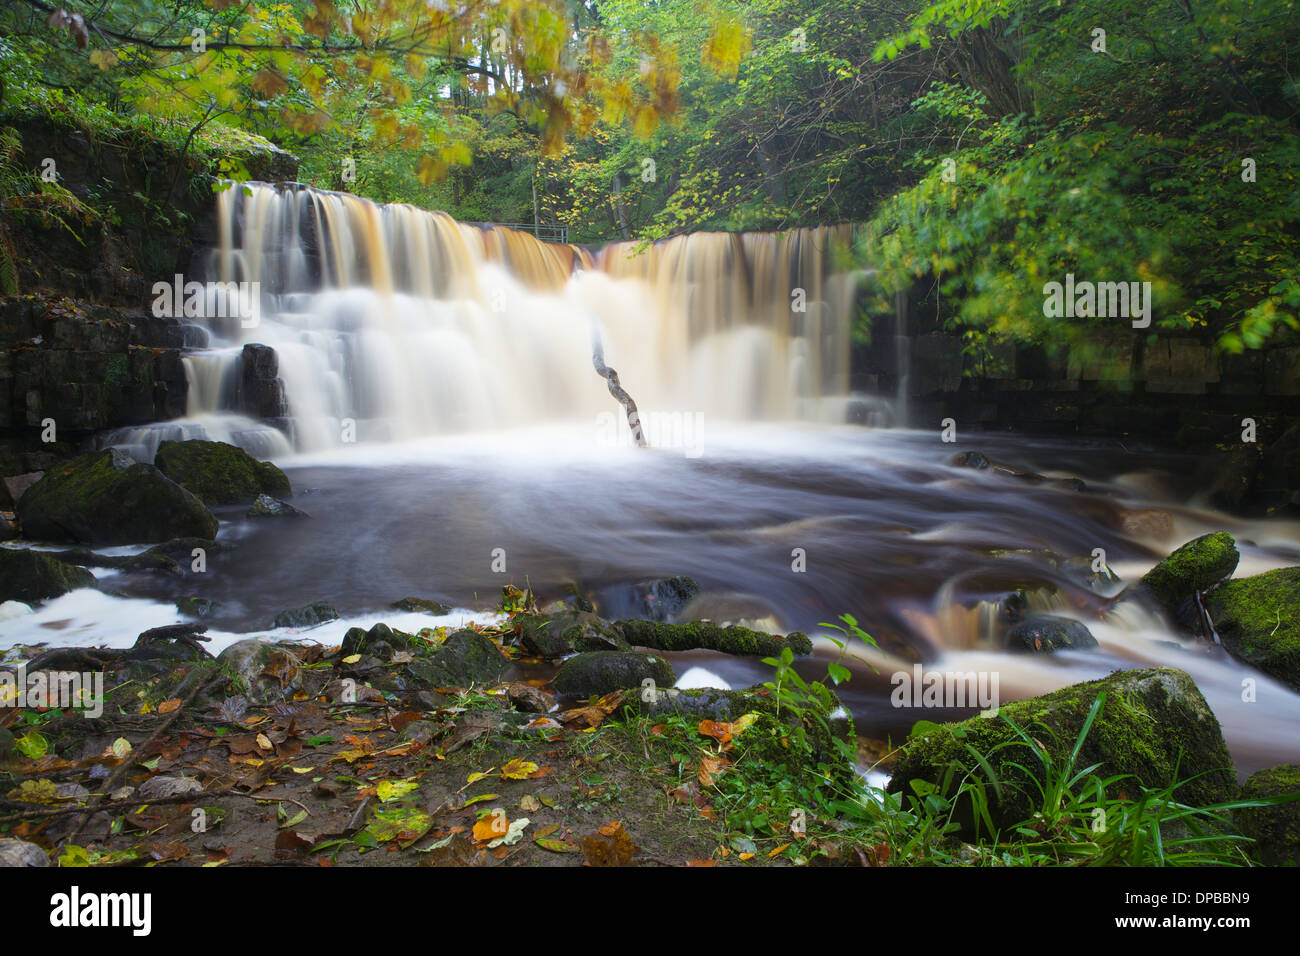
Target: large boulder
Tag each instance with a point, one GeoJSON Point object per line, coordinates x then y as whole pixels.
{"type": "Point", "coordinates": [599, 672]}
{"type": "Point", "coordinates": [1197, 566]}
{"type": "Point", "coordinates": [219, 474]}
{"type": "Point", "coordinates": [1154, 726]}
{"type": "Point", "coordinates": [106, 498]}
{"type": "Point", "coordinates": [30, 576]}
{"type": "Point", "coordinates": [1275, 829]}
{"type": "Point", "coordinates": [1258, 620]}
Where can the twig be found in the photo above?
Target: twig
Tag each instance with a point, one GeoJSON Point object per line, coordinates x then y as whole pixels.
{"type": "Point", "coordinates": [116, 776]}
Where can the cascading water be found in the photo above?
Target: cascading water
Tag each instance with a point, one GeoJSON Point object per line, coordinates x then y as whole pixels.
{"type": "Point", "coordinates": [398, 323]}
{"type": "Point", "coordinates": [412, 325]}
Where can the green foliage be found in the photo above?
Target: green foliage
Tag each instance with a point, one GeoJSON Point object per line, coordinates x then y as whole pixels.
{"type": "Point", "coordinates": [1126, 163]}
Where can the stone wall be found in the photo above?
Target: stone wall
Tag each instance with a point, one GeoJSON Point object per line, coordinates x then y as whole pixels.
{"type": "Point", "coordinates": [1164, 388]}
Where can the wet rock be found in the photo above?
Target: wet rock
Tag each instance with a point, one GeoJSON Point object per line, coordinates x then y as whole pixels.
{"type": "Point", "coordinates": [30, 576]}
{"type": "Point", "coordinates": [264, 506]}
{"type": "Point", "coordinates": [6, 742]}
{"type": "Point", "coordinates": [664, 598]}
{"type": "Point", "coordinates": [381, 641]}
{"type": "Point", "coordinates": [144, 561]}
{"type": "Point", "coordinates": [704, 634]}
{"type": "Point", "coordinates": [1046, 632]}
{"type": "Point", "coordinates": [566, 632]}
{"type": "Point", "coordinates": [1197, 566]}
{"type": "Point", "coordinates": [200, 607]}
{"type": "Point", "coordinates": [160, 788]}
{"type": "Point", "coordinates": [599, 672]}
{"type": "Point", "coordinates": [530, 699]}
{"type": "Point", "coordinates": [1147, 523]}
{"type": "Point", "coordinates": [219, 474]}
{"type": "Point", "coordinates": [1258, 621]}
{"type": "Point", "coordinates": [309, 615]}
{"type": "Point", "coordinates": [8, 528]}
{"type": "Point", "coordinates": [182, 549]}
{"type": "Point", "coordinates": [260, 392]}
{"type": "Point", "coordinates": [21, 853]}
{"type": "Point", "coordinates": [415, 605]}
{"type": "Point", "coordinates": [1275, 830]}
{"type": "Point", "coordinates": [465, 658]}
{"type": "Point", "coordinates": [263, 673]}
{"type": "Point", "coordinates": [106, 498]}
{"type": "Point", "coordinates": [1154, 724]}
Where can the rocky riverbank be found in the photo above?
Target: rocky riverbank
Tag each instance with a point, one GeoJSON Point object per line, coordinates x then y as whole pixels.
{"type": "Point", "coordinates": [555, 736]}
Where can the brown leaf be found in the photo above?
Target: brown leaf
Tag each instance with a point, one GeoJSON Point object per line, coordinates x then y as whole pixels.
{"type": "Point", "coordinates": [612, 848]}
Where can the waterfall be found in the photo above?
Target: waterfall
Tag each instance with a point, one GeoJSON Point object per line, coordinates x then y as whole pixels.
{"type": "Point", "coordinates": [390, 322]}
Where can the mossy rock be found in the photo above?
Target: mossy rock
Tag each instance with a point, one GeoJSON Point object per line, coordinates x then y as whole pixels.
{"type": "Point", "coordinates": [736, 640]}
{"type": "Point", "coordinates": [106, 498]}
{"type": "Point", "coordinates": [566, 632]}
{"type": "Point", "coordinates": [1197, 566]}
{"type": "Point", "coordinates": [262, 672]}
{"type": "Point", "coordinates": [1258, 620]}
{"type": "Point", "coordinates": [219, 474]}
{"type": "Point", "coordinates": [381, 641]}
{"type": "Point", "coordinates": [599, 672]}
{"type": "Point", "coordinates": [464, 659]}
{"type": "Point", "coordinates": [1154, 726]}
{"type": "Point", "coordinates": [6, 742]}
{"type": "Point", "coordinates": [415, 605]}
{"type": "Point", "coordinates": [775, 740]}
{"type": "Point", "coordinates": [1276, 829]}
{"type": "Point", "coordinates": [264, 506]}
{"type": "Point", "coordinates": [30, 576]}
{"type": "Point", "coordinates": [194, 606]}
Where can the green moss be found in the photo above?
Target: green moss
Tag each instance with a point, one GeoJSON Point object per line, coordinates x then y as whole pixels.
{"type": "Point", "coordinates": [1258, 620]}
{"type": "Point", "coordinates": [1276, 829]}
{"type": "Point", "coordinates": [105, 498]}
{"type": "Point", "coordinates": [219, 474]}
{"type": "Point", "coordinates": [740, 641]}
{"type": "Point", "coordinates": [30, 576]}
{"type": "Point", "coordinates": [599, 672]}
{"type": "Point", "coordinates": [1196, 566]}
{"type": "Point", "coordinates": [1154, 725]}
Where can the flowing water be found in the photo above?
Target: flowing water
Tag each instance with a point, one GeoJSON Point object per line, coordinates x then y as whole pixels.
{"type": "Point", "coordinates": [444, 416]}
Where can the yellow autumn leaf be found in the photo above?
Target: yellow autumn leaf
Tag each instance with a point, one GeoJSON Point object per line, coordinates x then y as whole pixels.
{"type": "Point", "coordinates": [476, 776]}
{"type": "Point", "coordinates": [351, 658]}
{"type": "Point", "coordinates": [392, 789]}
{"type": "Point", "coordinates": [518, 769]}
{"type": "Point", "coordinates": [264, 742]}
{"type": "Point", "coordinates": [743, 724]}
{"type": "Point", "coordinates": [121, 748]}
